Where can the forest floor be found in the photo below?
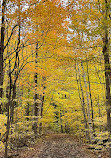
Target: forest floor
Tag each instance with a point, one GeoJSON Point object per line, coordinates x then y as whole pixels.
{"type": "Point", "coordinates": [57, 146]}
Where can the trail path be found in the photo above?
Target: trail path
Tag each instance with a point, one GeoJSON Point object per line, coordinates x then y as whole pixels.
{"type": "Point", "coordinates": [61, 146]}
{"type": "Point", "coordinates": [57, 146]}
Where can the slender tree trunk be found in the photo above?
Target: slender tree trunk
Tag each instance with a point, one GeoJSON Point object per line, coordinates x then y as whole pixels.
{"type": "Point", "coordinates": [13, 104]}
{"type": "Point", "coordinates": [2, 50]}
{"type": "Point", "coordinates": [61, 124]}
{"type": "Point", "coordinates": [16, 77]}
{"type": "Point", "coordinates": [99, 111]}
{"type": "Point", "coordinates": [82, 100]}
{"type": "Point", "coordinates": [41, 114]}
{"type": "Point", "coordinates": [8, 111]}
{"type": "Point", "coordinates": [88, 106]}
{"type": "Point", "coordinates": [27, 107]}
{"type": "Point", "coordinates": [92, 111]}
{"type": "Point", "coordinates": [36, 96]}
{"type": "Point", "coordinates": [42, 104]}
{"type": "Point", "coordinates": [56, 116]}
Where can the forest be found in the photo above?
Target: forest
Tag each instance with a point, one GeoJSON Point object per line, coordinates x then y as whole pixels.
{"type": "Point", "coordinates": [55, 74]}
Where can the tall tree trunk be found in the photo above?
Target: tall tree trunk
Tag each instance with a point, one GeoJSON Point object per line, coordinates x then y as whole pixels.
{"type": "Point", "coordinates": [8, 111]}
{"type": "Point", "coordinates": [41, 113]}
{"type": "Point", "coordinates": [28, 105]}
{"type": "Point", "coordinates": [13, 103]}
{"type": "Point", "coordinates": [88, 106]}
{"type": "Point", "coordinates": [99, 110]}
{"type": "Point", "coordinates": [107, 72]}
{"type": "Point", "coordinates": [42, 104]}
{"type": "Point", "coordinates": [82, 100]}
{"type": "Point", "coordinates": [16, 76]}
{"type": "Point", "coordinates": [2, 50]}
{"type": "Point", "coordinates": [92, 111]}
{"type": "Point", "coordinates": [36, 96]}
{"type": "Point", "coordinates": [61, 124]}
{"type": "Point", "coordinates": [107, 80]}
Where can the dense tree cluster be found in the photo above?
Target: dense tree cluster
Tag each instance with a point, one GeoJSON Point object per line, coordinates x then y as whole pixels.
{"type": "Point", "coordinates": [55, 71]}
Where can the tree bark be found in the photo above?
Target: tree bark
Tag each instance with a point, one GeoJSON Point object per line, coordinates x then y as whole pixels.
{"type": "Point", "coordinates": [107, 73]}
{"type": "Point", "coordinates": [82, 100]}
{"type": "Point", "coordinates": [88, 106]}
{"type": "Point", "coordinates": [92, 111]}
{"type": "Point", "coordinates": [36, 96]}
{"type": "Point", "coordinates": [42, 104]}
{"type": "Point", "coordinates": [2, 51]}
{"type": "Point", "coordinates": [107, 80]}
{"type": "Point", "coordinates": [13, 103]}
{"type": "Point", "coordinates": [16, 69]}
{"type": "Point", "coordinates": [61, 125]}
{"type": "Point", "coordinates": [8, 111]}
{"type": "Point", "coordinates": [28, 105]}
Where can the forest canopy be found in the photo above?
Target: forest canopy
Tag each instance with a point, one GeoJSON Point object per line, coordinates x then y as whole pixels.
{"type": "Point", "coordinates": [55, 71]}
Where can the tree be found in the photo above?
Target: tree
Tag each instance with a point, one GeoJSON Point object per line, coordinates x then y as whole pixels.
{"type": "Point", "coordinates": [2, 50]}
{"type": "Point", "coordinates": [94, 31]}
{"type": "Point", "coordinates": [107, 67]}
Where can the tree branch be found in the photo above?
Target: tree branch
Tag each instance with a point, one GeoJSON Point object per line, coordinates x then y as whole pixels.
{"type": "Point", "coordinates": [10, 36]}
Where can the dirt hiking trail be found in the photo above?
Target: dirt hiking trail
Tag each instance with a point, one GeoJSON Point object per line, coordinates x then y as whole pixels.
{"type": "Point", "coordinates": [56, 146]}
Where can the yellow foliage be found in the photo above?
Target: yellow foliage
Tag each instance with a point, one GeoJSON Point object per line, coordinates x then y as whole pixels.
{"type": "Point", "coordinates": [2, 146]}
{"type": "Point", "coordinates": [3, 121]}
{"type": "Point", "coordinates": [101, 121]}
